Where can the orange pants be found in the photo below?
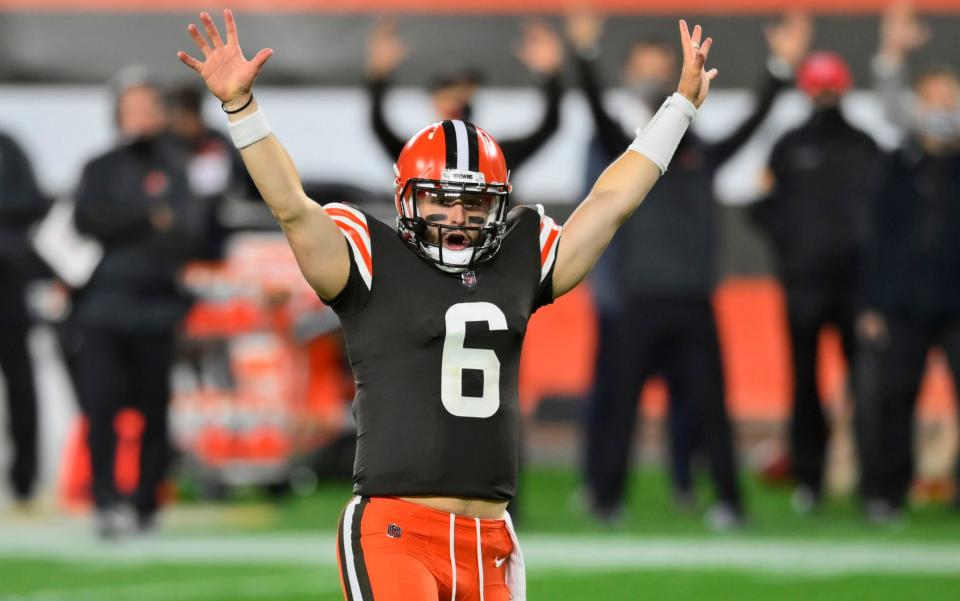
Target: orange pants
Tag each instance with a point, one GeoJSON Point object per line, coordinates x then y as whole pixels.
{"type": "Point", "coordinates": [393, 550]}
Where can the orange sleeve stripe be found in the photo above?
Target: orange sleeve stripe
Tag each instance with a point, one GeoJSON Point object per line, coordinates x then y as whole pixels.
{"type": "Point", "coordinates": [548, 246]}
{"type": "Point", "coordinates": [360, 244]}
{"type": "Point", "coordinates": [349, 215]}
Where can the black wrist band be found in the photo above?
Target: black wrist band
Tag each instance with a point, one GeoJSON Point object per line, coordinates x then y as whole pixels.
{"type": "Point", "coordinates": [223, 105]}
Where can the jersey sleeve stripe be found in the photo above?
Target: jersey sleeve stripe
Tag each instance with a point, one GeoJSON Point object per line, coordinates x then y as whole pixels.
{"type": "Point", "coordinates": [548, 246]}
{"type": "Point", "coordinates": [547, 225]}
{"type": "Point", "coordinates": [361, 252]}
{"type": "Point", "coordinates": [549, 235]}
{"type": "Point", "coordinates": [351, 214]}
{"type": "Point", "coordinates": [349, 228]}
{"type": "Point", "coordinates": [353, 225]}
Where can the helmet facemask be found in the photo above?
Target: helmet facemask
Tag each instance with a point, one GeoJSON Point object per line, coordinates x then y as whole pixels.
{"type": "Point", "coordinates": [453, 248]}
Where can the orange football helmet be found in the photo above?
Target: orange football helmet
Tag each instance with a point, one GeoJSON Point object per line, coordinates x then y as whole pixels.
{"type": "Point", "coordinates": [452, 162]}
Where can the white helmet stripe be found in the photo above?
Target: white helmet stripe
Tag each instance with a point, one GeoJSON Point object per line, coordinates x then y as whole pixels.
{"type": "Point", "coordinates": [463, 147]}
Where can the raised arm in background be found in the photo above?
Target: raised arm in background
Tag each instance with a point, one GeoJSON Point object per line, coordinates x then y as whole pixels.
{"type": "Point", "coordinates": [900, 34]}
{"type": "Point", "coordinates": [385, 52]}
{"type": "Point", "coordinates": [625, 183]}
{"type": "Point", "coordinates": [320, 249]}
{"type": "Point", "coordinates": [541, 51]}
{"type": "Point", "coordinates": [788, 42]}
{"type": "Point", "coordinates": [584, 29]}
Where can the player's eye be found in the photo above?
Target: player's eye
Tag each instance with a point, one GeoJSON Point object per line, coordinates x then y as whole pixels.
{"type": "Point", "coordinates": [470, 202]}
{"type": "Point", "coordinates": [431, 197]}
{"type": "Point", "coordinates": [476, 203]}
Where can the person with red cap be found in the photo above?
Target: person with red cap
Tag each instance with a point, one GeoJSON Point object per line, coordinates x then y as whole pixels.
{"type": "Point", "coordinates": [819, 182]}
{"type": "Point", "coordinates": [824, 73]}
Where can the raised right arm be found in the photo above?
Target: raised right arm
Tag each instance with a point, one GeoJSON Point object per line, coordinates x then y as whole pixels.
{"type": "Point", "coordinates": [319, 247]}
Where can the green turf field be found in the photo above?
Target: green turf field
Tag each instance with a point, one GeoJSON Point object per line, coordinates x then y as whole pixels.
{"type": "Point", "coordinates": [249, 549]}
{"type": "Point", "coordinates": [81, 581]}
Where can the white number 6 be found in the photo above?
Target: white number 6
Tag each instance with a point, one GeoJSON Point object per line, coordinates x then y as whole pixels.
{"type": "Point", "coordinates": [456, 358]}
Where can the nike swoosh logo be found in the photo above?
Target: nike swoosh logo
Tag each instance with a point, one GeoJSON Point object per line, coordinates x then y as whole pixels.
{"type": "Point", "coordinates": [498, 561]}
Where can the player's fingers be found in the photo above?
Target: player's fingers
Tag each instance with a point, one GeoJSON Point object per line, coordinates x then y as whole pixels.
{"type": "Point", "coordinates": [189, 61]}
{"type": "Point", "coordinates": [198, 39]}
{"type": "Point", "coordinates": [685, 40]}
{"type": "Point", "coordinates": [232, 36]}
{"type": "Point", "coordinates": [697, 62]}
{"type": "Point", "coordinates": [705, 48]}
{"type": "Point", "coordinates": [696, 35]}
{"type": "Point", "coordinates": [261, 58]}
{"type": "Point", "coordinates": [711, 74]}
{"type": "Point", "coordinates": [211, 30]}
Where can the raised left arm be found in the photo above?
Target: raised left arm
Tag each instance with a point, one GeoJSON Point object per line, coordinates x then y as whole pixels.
{"type": "Point", "coordinates": [625, 183]}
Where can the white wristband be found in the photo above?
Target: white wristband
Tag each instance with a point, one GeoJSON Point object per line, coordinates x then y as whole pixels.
{"type": "Point", "coordinates": [250, 129]}
{"type": "Point", "coordinates": [659, 138]}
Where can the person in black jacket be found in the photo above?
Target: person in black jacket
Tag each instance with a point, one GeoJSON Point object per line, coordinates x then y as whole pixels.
{"type": "Point", "coordinates": [821, 179]}
{"type": "Point", "coordinates": [452, 92]}
{"type": "Point", "coordinates": [214, 167]}
{"type": "Point", "coordinates": [654, 283]}
{"type": "Point", "coordinates": [912, 292]}
{"type": "Point", "coordinates": [21, 204]}
{"type": "Point", "coordinates": [135, 201]}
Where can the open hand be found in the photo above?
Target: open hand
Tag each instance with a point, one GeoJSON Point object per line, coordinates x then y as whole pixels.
{"type": "Point", "coordinates": [540, 50]}
{"type": "Point", "coordinates": [789, 39]}
{"type": "Point", "coordinates": [901, 32]}
{"type": "Point", "coordinates": [694, 80]}
{"type": "Point", "coordinates": [584, 28]}
{"type": "Point", "coordinates": [228, 75]}
{"type": "Point", "coordinates": [385, 50]}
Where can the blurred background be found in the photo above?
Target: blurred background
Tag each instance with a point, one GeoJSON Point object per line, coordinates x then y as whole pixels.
{"type": "Point", "coordinates": [692, 422]}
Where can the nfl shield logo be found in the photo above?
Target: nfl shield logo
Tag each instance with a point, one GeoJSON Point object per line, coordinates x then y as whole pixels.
{"type": "Point", "coordinates": [469, 279]}
{"type": "Point", "coordinates": [393, 531]}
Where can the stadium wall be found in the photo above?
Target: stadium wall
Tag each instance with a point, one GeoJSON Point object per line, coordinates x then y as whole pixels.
{"type": "Point", "coordinates": [54, 41]}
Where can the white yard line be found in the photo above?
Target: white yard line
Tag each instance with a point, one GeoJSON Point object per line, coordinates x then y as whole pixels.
{"type": "Point", "coordinates": [542, 552]}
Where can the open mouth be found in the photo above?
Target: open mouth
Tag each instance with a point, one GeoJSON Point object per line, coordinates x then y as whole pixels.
{"type": "Point", "coordinates": [456, 241]}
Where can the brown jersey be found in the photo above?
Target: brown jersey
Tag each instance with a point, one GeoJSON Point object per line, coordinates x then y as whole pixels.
{"type": "Point", "coordinates": [436, 357]}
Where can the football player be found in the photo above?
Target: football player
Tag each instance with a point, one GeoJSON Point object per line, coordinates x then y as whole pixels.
{"type": "Point", "coordinates": [434, 312]}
